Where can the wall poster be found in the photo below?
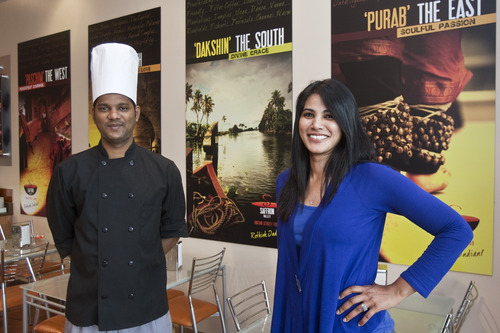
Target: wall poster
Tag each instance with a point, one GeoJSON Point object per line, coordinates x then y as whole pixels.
{"type": "Point", "coordinates": [44, 115]}
{"type": "Point", "coordinates": [142, 32]}
{"type": "Point", "coordinates": [427, 69]}
{"type": "Point", "coordinates": [238, 117]}
{"type": "Point", "coordinates": [5, 112]}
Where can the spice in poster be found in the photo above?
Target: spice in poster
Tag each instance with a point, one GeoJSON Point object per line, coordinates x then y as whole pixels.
{"type": "Point", "coordinates": [419, 72]}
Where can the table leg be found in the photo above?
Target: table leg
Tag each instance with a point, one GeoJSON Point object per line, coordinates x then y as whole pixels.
{"type": "Point", "coordinates": [25, 312]}
{"type": "Point", "coordinates": [224, 296]}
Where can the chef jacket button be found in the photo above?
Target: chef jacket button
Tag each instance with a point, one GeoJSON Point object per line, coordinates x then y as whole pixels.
{"type": "Point", "coordinates": [130, 229]}
{"type": "Point", "coordinates": [131, 195]}
{"type": "Point", "coordinates": [131, 263]}
{"type": "Point", "coordinates": [105, 263]}
{"type": "Point", "coordinates": [131, 162]}
{"type": "Point", "coordinates": [104, 163]}
{"type": "Point", "coordinates": [131, 296]}
{"type": "Point", "coordinates": [104, 195]}
{"type": "Point", "coordinates": [105, 229]}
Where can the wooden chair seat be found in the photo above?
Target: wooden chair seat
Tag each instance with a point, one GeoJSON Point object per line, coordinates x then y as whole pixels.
{"type": "Point", "coordinates": [54, 324]}
{"type": "Point", "coordinates": [14, 297]}
{"type": "Point", "coordinates": [179, 310]}
{"type": "Point", "coordinates": [171, 293]}
{"type": "Point", "coordinates": [51, 267]}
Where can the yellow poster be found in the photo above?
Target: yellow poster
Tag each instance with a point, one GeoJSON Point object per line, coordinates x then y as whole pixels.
{"type": "Point", "coordinates": [436, 61]}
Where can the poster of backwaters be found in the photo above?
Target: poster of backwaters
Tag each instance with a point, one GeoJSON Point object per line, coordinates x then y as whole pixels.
{"type": "Point", "coordinates": [238, 117]}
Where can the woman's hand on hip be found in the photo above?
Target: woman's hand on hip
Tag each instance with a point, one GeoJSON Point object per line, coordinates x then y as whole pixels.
{"type": "Point", "coordinates": [373, 298]}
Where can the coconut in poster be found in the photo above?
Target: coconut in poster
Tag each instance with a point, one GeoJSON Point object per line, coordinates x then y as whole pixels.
{"type": "Point", "coordinates": [44, 114]}
{"type": "Point", "coordinates": [141, 31]}
{"type": "Point", "coordinates": [238, 117]}
{"type": "Point", "coordinates": [423, 74]}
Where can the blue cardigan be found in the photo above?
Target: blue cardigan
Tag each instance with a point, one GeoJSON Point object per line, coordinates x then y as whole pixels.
{"type": "Point", "coordinates": [341, 246]}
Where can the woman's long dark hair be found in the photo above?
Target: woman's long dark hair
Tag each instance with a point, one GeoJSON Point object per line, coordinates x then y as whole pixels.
{"type": "Point", "coordinates": [354, 146]}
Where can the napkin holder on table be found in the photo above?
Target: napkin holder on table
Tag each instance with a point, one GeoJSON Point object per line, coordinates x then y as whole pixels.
{"type": "Point", "coordinates": [174, 257]}
{"type": "Point", "coordinates": [21, 234]}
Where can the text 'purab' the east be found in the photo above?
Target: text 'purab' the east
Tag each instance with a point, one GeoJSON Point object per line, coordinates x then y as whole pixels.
{"type": "Point", "coordinates": [428, 12]}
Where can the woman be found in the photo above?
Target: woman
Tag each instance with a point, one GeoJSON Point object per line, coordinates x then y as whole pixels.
{"type": "Point", "coordinates": [332, 205]}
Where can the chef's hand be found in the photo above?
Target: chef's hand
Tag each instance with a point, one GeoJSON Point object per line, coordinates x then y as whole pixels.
{"type": "Point", "coordinates": [168, 243]}
{"type": "Point", "coordinates": [374, 298]}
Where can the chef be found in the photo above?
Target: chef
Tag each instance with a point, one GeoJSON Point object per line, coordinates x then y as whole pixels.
{"type": "Point", "coordinates": [116, 209]}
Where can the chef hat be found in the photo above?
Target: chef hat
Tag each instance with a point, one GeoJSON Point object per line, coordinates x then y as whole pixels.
{"type": "Point", "coordinates": [114, 69]}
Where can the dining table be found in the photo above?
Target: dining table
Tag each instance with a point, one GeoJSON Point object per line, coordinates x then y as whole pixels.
{"type": "Point", "coordinates": [413, 315]}
{"type": "Point", "coordinates": [262, 325]}
{"type": "Point", "coordinates": [50, 294]}
{"type": "Point", "coordinates": [27, 251]}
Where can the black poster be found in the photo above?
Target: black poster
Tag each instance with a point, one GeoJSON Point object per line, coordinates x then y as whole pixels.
{"type": "Point", "coordinates": [142, 32]}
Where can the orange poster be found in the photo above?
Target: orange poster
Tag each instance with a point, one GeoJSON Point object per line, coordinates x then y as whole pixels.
{"type": "Point", "coordinates": [44, 115]}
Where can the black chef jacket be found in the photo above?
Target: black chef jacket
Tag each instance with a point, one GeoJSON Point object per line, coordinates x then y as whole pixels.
{"type": "Point", "coordinates": [110, 216]}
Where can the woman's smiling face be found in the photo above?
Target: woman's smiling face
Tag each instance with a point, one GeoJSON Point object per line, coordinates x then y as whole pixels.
{"type": "Point", "coordinates": [319, 132]}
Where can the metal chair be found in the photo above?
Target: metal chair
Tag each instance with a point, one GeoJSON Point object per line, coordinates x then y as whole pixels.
{"type": "Point", "coordinates": [2, 234]}
{"type": "Point", "coordinates": [187, 311]}
{"type": "Point", "coordinates": [249, 305]}
{"type": "Point", "coordinates": [54, 265]}
{"type": "Point", "coordinates": [54, 324]}
{"type": "Point", "coordinates": [16, 268]}
{"type": "Point", "coordinates": [456, 323]}
{"type": "Point", "coordinates": [172, 293]}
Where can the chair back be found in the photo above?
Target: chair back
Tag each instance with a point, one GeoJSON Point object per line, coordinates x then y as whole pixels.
{"type": "Point", "coordinates": [249, 305]}
{"type": "Point", "coordinates": [188, 310]}
{"type": "Point", "coordinates": [204, 272]}
{"type": "Point", "coordinates": [19, 265]}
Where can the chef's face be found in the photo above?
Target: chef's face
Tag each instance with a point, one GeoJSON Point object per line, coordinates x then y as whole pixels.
{"type": "Point", "coordinates": [115, 116]}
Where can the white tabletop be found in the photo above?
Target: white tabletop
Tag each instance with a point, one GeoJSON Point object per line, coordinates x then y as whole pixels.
{"type": "Point", "coordinates": [416, 314]}
{"type": "Point", "coordinates": [54, 287]}
{"type": "Point", "coordinates": [26, 251]}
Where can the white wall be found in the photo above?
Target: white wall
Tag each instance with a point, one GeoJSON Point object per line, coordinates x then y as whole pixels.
{"type": "Point", "coordinates": [23, 20]}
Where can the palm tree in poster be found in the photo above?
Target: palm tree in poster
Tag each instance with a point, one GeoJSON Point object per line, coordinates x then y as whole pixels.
{"type": "Point", "coordinates": [197, 108]}
{"type": "Point", "coordinates": [208, 106]}
{"type": "Point", "coordinates": [276, 103]}
{"type": "Point", "coordinates": [189, 93]}
{"type": "Point", "coordinates": [275, 118]}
